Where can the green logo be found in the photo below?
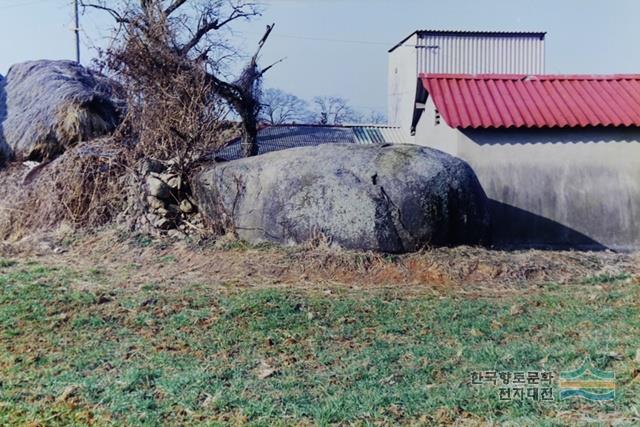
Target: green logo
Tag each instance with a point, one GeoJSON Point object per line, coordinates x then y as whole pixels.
{"type": "Point", "coordinates": [588, 382]}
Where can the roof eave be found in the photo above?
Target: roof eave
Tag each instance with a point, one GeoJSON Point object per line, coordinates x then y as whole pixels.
{"type": "Point", "coordinates": [565, 126]}
{"type": "Point", "coordinates": [402, 41]}
{"type": "Point", "coordinates": [537, 34]}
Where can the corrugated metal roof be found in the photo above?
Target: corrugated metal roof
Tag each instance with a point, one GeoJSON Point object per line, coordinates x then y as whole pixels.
{"type": "Point", "coordinates": [538, 34]}
{"type": "Point", "coordinates": [378, 134]}
{"type": "Point", "coordinates": [282, 137]}
{"type": "Point", "coordinates": [484, 33]}
{"type": "Point", "coordinates": [497, 101]}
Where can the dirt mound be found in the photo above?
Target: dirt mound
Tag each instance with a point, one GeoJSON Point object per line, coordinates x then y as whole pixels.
{"type": "Point", "coordinates": [133, 261]}
{"type": "Point", "coordinates": [82, 187]}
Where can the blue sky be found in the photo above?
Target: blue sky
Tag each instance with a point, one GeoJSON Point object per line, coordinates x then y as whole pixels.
{"type": "Point", "coordinates": [339, 47]}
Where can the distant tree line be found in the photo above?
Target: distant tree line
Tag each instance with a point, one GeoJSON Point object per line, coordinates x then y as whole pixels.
{"type": "Point", "coordinates": [279, 107]}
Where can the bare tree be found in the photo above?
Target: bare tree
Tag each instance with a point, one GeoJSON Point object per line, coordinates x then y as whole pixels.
{"type": "Point", "coordinates": [279, 107]}
{"type": "Point", "coordinates": [372, 118]}
{"type": "Point", "coordinates": [332, 110]}
{"type": "Point", "coordinates": [156, 38]}
{"type": "Point", "coordinates": [375, 118]}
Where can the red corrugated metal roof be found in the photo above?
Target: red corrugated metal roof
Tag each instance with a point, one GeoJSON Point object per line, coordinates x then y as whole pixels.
{"type": "Point", "coordinates": [498, 100]}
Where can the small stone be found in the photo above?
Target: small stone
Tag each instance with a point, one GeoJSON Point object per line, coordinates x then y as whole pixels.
{"type": "Point", "coordinates": [475, 333]}
{"type": "Point", "coordinates": [265, 371]}
{"type": "Point", "coordinates": [174, 182]}
{"type": "Point", "coordinates": [186, 206]}
{"type": "Point", "coordinates": [158, 188]}
{"type": "Point", "coordinates": [175, 234]}
{"type": "Point", "coordinates": [154, 202]}
{"type": "Point", "coordinates": [162, 224]}
{"type": "Point", "coordinates": [209, 401]}
{"type": "Point", "coordinates": [67, 392]}
{"type": "Point", "coordinates": [149, 165]}
{"type": "Point", "coordinates": [516, 310]}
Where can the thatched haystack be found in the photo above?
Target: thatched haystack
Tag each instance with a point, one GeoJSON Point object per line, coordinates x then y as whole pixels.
{"type": "Point", "coordinates": [51, 105]}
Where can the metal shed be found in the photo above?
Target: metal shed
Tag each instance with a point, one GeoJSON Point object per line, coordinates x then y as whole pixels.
{"type": "Point", "coordinates": [458, 52]}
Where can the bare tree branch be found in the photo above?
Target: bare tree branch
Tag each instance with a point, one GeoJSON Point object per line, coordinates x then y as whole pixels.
{"type": "Point", "coordinates": [174, 6]}
{"type": "Point", "coordinates": [206, 27]}
{"type": "Point", "coordinates": [199, 34]}
{"type": "Point", "coordinates": [264, 70]}
{"type": "Point", "coordinates": [266, 35]}
{"type": "Point", "coordinates": [114, 13]}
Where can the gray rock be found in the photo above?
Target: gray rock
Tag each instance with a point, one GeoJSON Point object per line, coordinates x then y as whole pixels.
{"type": "Point", "coordinates": [157, 187]}
{"type": "Point", "coordinates": [176, 234]}
{"type": "Point", "coordinates": [186, 206]}
{"type": "Point", "coordinates": [154, 202]}
{"type": "Point", "coordinates": [161, 223]}
{"type": "Point", "coordinates": [48, 106]}
{"type": "Point", "coordinates": [388, 198]}
{"type": "Point", "coordinates": [173, 181]}
{"type": "Point", "coordinates": [150, 165]}
{"type": "Point", "coordinates": [5, 150]}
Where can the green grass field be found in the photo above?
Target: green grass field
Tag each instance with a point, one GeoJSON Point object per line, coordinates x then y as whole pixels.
{"type": "Point", "coordinates": [77, 355]}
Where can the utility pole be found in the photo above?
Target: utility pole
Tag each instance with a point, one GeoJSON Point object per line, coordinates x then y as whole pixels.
{"type": "Point", "coordinates": [77, 30]}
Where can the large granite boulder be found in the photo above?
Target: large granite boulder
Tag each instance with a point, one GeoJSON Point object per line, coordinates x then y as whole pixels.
{"type": "Point", "coordinates": [5, 151]}
{"type": "Point", "coordinates": [47, 106]}
{"type": "Point", "coordinates": [388, 198]}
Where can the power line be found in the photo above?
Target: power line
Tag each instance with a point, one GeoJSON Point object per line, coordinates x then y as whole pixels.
{"type": "Point", "coordinates": [21, 4]}
{"type": "Point", "coordinates": [289, 36]}
{"type": "Point", "coordinates": [323, 39]}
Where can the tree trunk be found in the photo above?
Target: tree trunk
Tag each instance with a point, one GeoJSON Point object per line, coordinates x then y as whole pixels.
{"type": "Point", "coordinates": [249, 142]}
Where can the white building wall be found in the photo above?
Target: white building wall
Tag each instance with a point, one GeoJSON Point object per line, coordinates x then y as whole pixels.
{"type": "Point", "coordinates": [402, 84]}
{"type": "Point", "coordinates": [440, 136]}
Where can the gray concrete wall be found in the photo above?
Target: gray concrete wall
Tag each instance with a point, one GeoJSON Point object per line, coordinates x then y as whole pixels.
{"type": "Point", "coordinates": [571, 188]}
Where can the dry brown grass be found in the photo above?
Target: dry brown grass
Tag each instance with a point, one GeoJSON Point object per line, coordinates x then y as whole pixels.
{"type": "Point", "coordinates": [85, 187]}
{"type": "Point", "coordinates": [131, 262]}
